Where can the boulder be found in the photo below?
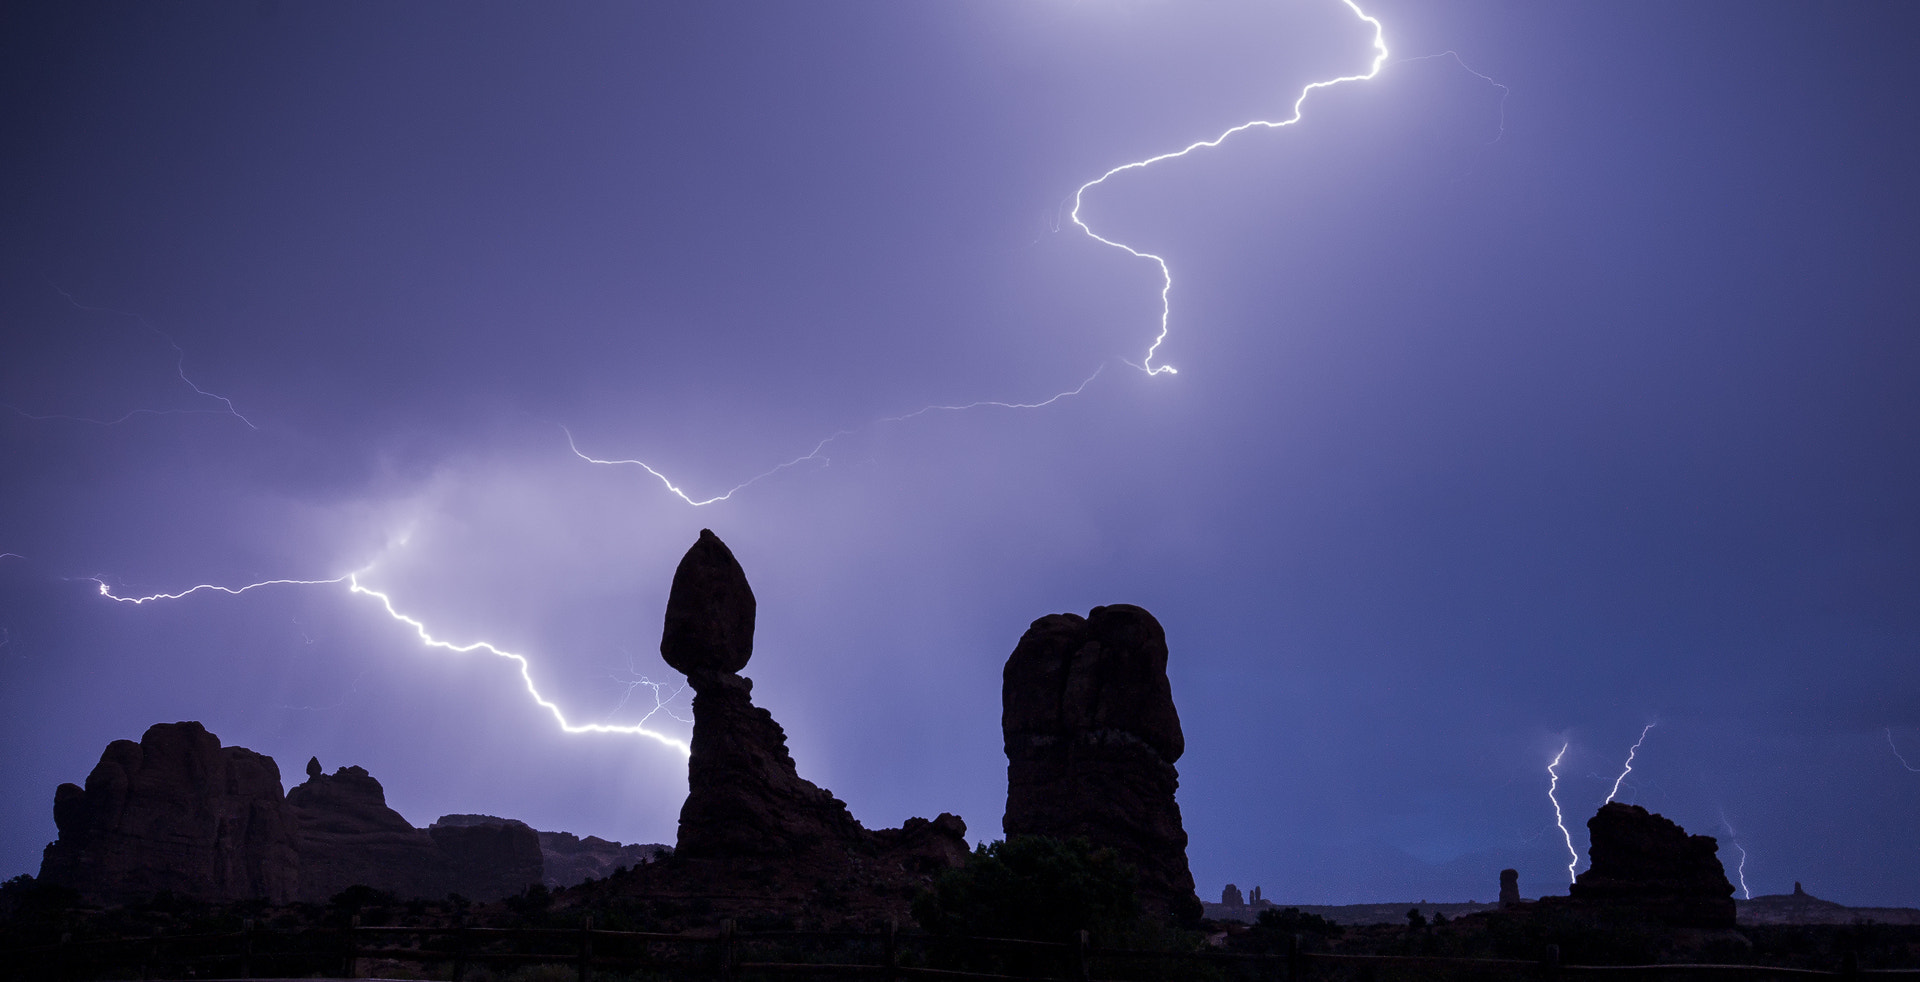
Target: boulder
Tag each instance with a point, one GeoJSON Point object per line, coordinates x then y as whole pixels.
{"type": "Point", "coordinates": [1091, 737]}
{"type": "Point", "coordinates": [176, 812]}
{"type": "Point", "coordinates": [1645, 864]}
{"type": "Point", "coordinates": [710, 609]}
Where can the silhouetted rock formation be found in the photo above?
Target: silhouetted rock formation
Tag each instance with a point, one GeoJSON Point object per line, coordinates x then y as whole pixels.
{"type": "Point", "coordinates": [567, 859]}
{"type": "Point", "coordinates": [1091, 739]}
{"type": "Point", "coordinates": [751, 825]}
{"type": "Point", "coordinates": [491, 859]}
{"type": "Point", "coordinates": [176, 812]}
{"type": "Point", "coordinates": [180, 813]}
{"type": "Point", "coordinates": [1231, 897]}
{"type": "Point", "coordinates": [1509, 887]}
{"type": "Point", "coordinates": [1647, 864]}
{"type": "Point", "coordinates": [347, 835]}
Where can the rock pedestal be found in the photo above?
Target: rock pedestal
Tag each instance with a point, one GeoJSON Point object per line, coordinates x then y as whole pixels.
{"type": "Point", "coordinates": [751, 823]}
{"type": "Point", "coordinates": [1509, 887]}
{"type": "Point", "coordinates": [175, 812]}
{"type": "Point", "coordinates": [1646, 864]}
{"type": "Point", "coordinates": [1091, 738]}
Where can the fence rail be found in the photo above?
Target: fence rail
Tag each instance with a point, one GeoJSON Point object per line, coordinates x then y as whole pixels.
{"type": "Point", "coordinates": [725, 955]}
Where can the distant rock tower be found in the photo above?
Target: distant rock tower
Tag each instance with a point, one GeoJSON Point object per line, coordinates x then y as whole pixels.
{"type": "Point", "coordinates": [1509, 887]}
{"type": "Point", "coordinates": [1091, 738]}
{"type": "Point", "coordinates": [1230, 897]}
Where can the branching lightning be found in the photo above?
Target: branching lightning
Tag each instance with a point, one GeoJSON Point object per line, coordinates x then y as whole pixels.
{"type": "Point", "coordinates": [179, 368]}
{"type": "Point", "coordinates": [818, 453]}
{"type": "Point", "coordinates": [1559, 818]}
{"type": "Point", "coordinates": [1166, 274]}
{"type": "Point", "coordinates": [352, 581]}
{"type": "Point", "coordinates": [1629, 768]}
{"type": "Point", "coordinates": [1079, 199]}
{"type": "Point", "coordinates": [1897, 754]}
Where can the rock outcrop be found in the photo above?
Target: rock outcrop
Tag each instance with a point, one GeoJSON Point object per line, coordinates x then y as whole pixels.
{"type": "Point", "coordinates": [565, 859]}
{"type": "Point", "coordinates": [1230, 897]}
{"type": "Point", "coordinates": [347, 835]}
{"type": "Point", "coordinates": [175, 812]}
{"type": "Point", "coordinates": [569, 859]}
{"type": "Point", "coordinates": [1648, 866]}
{"type": "Point", "coordinates": [1091, 738]}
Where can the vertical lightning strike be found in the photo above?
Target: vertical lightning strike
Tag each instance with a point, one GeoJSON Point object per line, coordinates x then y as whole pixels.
{"type": "Point", "coordinates": [1166, 274]}
{"type": "Point", "coordinates": [1629, 768]}
{"type": "Point", "coordinates": [1896, 752]}
{"type": "Point", "coordinates": [1741, 872]}
{"type": "Point", "coordinates": [352, 581]}
{"type": "Point", "coordinates": [1558, 818]}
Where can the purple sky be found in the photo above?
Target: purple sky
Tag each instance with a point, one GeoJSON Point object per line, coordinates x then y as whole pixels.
{"type": "Point", "coordinates": [1510, 414]}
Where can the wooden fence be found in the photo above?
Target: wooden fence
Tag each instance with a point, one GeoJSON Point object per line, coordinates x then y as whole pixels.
{"type": "Point", "coordinates": [728, 954]}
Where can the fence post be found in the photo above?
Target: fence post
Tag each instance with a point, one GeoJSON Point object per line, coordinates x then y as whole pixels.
{"type": "Point", "coordinates": [1080, 956]}
{"type": "Point", "coordinates": [63, 957]}
{"type": "Point", "coordinates": [891, 951]}
{"type": "Point", "coordinates": [353, 953]}
{"type": "Point", "coordinates": [246, 948]}
{"type": "Point", "coordinates": [726, 948]}
{"type": "Point", "coordinates": [459, 946]}
{"type": "Point", "coordinates": [586, 947]}
{"type": "Point", "coordinates": [1295, 961]}
{"type": "Point", "coordinates": [1850, 965]}
{"type": "Point", "coordinates": [1550, 963]}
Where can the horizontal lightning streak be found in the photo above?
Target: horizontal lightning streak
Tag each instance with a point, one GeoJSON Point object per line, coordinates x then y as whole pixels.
{"type": "Point", "coordinates": [1166, 274]}
{"type": "Point", "coordinates": [352, 580]}
{"type": "Point", "coordinates": [818, 451]}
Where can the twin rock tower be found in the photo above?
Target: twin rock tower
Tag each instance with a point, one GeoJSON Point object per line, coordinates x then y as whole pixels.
{"type": "Point", "coordinates": [1091, 737]}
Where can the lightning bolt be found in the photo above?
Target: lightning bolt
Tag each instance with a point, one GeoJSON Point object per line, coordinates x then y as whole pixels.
{"type": "Point", "coordinates": [1896, 752]}
{"type": "Point", "coordinates": [1741, 872]}
{"type": "Point", "coordinates": [179, 368]}
{"type": "Point", "coordinates": [1558, 818]}
{"type": "Point", "coordinates": [1166, 273]}
{"type": "Point", "coordinates": [427, 639]}
{"type": "Point", "coordinates": [1079, 201]}
{"type": "Point", "coordinates": [1629, 768]}
{"type": "Point", "coordinates": [818, 453]}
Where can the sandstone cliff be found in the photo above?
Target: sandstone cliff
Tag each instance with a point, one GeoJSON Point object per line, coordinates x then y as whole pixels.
{"type": "Point", "coordinates": [175, 812]}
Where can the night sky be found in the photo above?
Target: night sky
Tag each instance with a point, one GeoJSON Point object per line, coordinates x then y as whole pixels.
{"type": "Point", "coordinates": [1562, 379]}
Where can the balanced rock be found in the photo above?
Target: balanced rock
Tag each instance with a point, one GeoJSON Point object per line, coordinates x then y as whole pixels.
{"type": "Point", "coordinates": [1644, 863]}
{"type": "Point", "coordinates": [751, 826]}
{"type": "Point", "coordinates": [710, 608]}
{"type": "Point", "coordinates": [744, 795]}
{"type": "Point", "coordinates": [1091, 738]}
{"type": "Point", "coordinates": [175, 812]}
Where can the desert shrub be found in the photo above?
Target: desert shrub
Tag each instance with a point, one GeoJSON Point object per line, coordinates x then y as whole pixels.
{"type": "Point", "coordinates": [1034, 888]}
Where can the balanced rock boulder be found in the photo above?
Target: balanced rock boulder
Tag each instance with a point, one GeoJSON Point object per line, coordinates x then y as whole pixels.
{"type": "Point", "coordinates": [751, 827]}
{"type": "Point", "coordinates": [1646, 865]}
{"type": "Point", "coordinates": [175, 812]}
{"type": "Point", "coordinates": [1091, 737]}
